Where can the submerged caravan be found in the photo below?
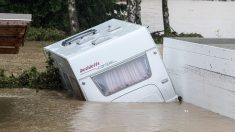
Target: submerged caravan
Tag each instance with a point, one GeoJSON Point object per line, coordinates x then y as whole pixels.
{"type": "Point", "coordinates": [115, 61]}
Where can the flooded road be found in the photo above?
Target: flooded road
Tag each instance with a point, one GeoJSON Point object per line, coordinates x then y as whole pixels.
{"type": "Point", "coordinates": [210, 18]}
{"type": "Point", "coordinates": [24, 110]}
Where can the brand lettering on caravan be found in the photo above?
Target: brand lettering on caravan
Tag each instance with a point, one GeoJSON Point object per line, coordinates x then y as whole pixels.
{"type": "Point", "coordinates": [89, 67]}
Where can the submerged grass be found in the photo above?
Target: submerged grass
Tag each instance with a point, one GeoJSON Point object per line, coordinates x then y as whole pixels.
{"type": "Point", "coordinates": [32, 78]}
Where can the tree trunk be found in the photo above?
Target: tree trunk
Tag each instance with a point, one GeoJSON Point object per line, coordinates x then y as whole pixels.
{"type": "Point", "coordinates": [134, 11]}
{"type": "Point", "coordinates": [165, 13]}
{"type": "Point", "coordinates": [131, 5]}
{"type": "Point", "coordinates": [73, 18]}
{"type": "Point", "coordinates": [138, 12]}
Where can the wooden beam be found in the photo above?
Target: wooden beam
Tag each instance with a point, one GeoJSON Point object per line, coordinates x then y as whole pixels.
{"type": "Point", "coordinates": [11, 41]}
{"type": "Point", "coordinates": [9, 31]}
{"type": "Point", "coordinates": [9, 50]}
{"type": "Point", "coordinates": [13, 22]}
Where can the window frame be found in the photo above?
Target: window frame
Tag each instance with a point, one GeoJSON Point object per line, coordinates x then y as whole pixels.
{"type": "Point", "coordinates": [144, 56]}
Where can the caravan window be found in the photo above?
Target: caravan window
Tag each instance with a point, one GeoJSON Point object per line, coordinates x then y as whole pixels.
{"type": "Point", "coordinates": [67, 82]}
{"type": "Point", "coordinates": [123, 76]}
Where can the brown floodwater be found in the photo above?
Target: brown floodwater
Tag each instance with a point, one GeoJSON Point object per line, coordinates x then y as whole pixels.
{"type": "Point", "coordinates": [23, 110]}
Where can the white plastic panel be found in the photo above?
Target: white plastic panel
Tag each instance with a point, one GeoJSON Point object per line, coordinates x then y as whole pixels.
{"type": "Point", "coordinates": [160, 76]}
{"type": "Point", "coordinates": [149, 93]}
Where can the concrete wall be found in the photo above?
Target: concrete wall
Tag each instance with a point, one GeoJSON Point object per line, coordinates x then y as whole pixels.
{"type": "Point", "coordinates": [203, 75]}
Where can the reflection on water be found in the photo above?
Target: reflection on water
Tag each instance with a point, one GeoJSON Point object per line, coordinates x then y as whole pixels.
{"type": "Point", "coordinates": [5, 108]}
{"type": "Point", "coordinates": [25, 110]}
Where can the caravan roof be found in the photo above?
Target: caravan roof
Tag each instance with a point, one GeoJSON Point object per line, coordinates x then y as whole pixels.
{"type": "Point", "coordinates": [112, 29]}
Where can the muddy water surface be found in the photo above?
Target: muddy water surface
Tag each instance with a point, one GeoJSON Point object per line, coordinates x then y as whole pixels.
{"type": "Point", "coordinates": [24, 110]}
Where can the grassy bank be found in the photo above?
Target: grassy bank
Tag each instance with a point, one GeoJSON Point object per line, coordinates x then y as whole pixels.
{"type": "Point", "coordinates": [29, 68]}
{"type": "Point", "coordinates": [44, 34]}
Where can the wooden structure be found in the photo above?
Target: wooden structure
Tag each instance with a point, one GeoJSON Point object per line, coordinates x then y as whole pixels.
{"type": "Point", "coordinates": [13, 28]}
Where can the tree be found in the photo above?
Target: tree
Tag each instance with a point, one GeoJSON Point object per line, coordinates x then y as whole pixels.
{"type": "Point", "coordinates": [73, 17]}
{"type": "Point", "coordinates": [138, 12]}
{"type": "Point", "coordinates": [134, 11]}
{"type": "Point", "coordinates": [2, 5]}
{"type": "Point", "coordinates": [165, 13]}
{"type": "Point", "coordinates": [131, 11]}
{"type": "Point", "coordinates": [93, 12]}
{"type": "Point", "coordinates": [55, 13]}
{"type": "Point", "coordinates": [46, 14]}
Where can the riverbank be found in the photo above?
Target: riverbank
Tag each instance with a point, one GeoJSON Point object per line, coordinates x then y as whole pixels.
{"type": "Point", "coordinates": [31, 54]}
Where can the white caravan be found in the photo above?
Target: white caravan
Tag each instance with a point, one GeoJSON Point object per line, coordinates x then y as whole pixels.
{"type": "Point", "coordinates": [115, 61]}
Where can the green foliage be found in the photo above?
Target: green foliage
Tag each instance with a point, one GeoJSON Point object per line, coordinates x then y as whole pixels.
{"type": "Point", "coordinates": [44, 34]}
{"type": "Point", "coordinates": [54, 13]}
{"type": "Point", "coordinates": [50, 79]}
{"type": "Point", "coordinates": [190, 35]}
{"type": "Point", "coordinates": [7, 81]}
{"type": "Point", "coordinates": [93, 12]}
{"type": "Point", "coordinates": [3, 4]}
{"type": "Point", "coordinates": [158, 38]}
{"type": "Point", "coordinates": [45, 13]}
{"type": "Point", "coordinates": [28, 78]}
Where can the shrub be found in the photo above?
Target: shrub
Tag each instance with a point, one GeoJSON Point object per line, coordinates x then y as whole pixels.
{"type": "Point", "coordinates": [28, 78]}
{"type": "Point", "coordinates": [50, 79]}
{"type": "Point", "coordinates": [44, 34]}
{"type": "Point", "coordinates": [158, 38]}
{"type": "Point", "coordinates": [7, 81]}
{"type": "Point", "coordinates": [54, 13]}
